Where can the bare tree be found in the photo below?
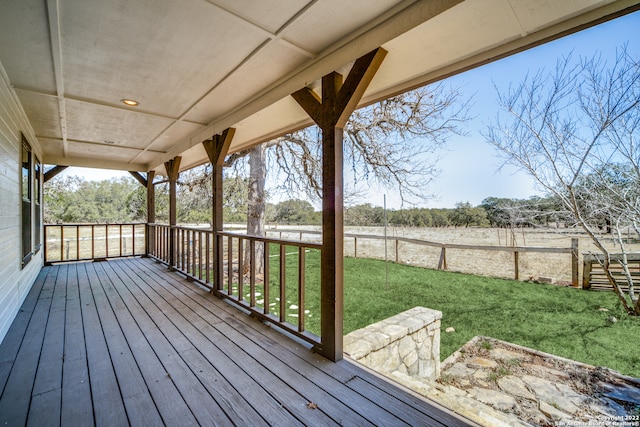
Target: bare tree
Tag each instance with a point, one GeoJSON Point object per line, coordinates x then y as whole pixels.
{"type": "Point", "coordinates": [392, 144]}
{"type": "Point", "coordinates": [575, 131]}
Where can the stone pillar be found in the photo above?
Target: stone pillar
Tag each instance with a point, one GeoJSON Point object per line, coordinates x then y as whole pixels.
{"type": "Point", "coordinates": [408, 342]}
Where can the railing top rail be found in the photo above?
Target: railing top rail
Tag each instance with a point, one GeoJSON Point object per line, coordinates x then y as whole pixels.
{"type": "Point", "coordinates": [287, 242]}
{"type": "Point", "coordinates": [90, 224]}
{"type": "Point", "coordinates": [181, 227]}
{"type": "Point", "coordinates": [633, 256]}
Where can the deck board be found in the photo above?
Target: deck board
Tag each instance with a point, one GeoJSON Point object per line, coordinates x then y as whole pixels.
{"type": "Point", "coordinates": [126, 342]}
{"type": "Point", "coordinates": [315, 385]}
{"type": "Point", "coordinates": [77, 407]}
{"type": "Point", "coordinates": [13, 339]}
{"type": "Point", "coordinates": [108, 406]}
{"type": "Point", "coordinates": [139, 405]}
{"type": "Point", "coordinates": [267, 370]}
{"type": "Point", "coordinates": [16, 396]}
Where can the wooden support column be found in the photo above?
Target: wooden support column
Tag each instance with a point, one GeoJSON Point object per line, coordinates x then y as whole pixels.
{"type": "Point", "coordinates": [173, 170]}
{"type": "Point", "coordinates": [149, 240]}
{"type": "Point", "coordinates": [149, 236]}
{"type": "Point", "coordinates": [217, 149]}
{"type": "Point", "coordinates": [331, 113]}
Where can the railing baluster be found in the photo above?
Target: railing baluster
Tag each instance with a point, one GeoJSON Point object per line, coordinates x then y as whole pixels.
{"type": "Point", "coordinates": [252, 273]}
{"type": "Point", "coordinates": [199, 255]}
{"type": "Point", "coordinates": [192, 252]}
{"type": "Point", "coordinates": [283, 281]}
{"type": "Point", "coordinates": [179, 247]}
{"type": "Point", "coordinates": [240, 269]}
{"type": "Point", "coordinates": [199, 261]}
{"type": "Point", "coordinates": [207, 257]}
{"type": "Point", "coordinates": [300, 289]}
{"type": "Point", "coordinates": [229, 265]}
{"type": "Point", "coordinates": [265, 279]}
{"type": "Point", "coordinates": [187, 249]}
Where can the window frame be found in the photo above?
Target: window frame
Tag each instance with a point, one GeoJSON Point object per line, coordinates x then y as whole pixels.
{"type": "Point", "coordinates": [26, 201]}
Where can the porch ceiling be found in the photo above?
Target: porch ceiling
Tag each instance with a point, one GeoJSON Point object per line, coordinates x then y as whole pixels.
{"type": "Point", "coordinates": [199, 66]}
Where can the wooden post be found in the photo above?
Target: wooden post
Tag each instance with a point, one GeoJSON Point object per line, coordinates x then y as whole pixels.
{"type": "Point", "coordinates": [586, 271]}
{"type": "Point", "coordinates": [173, 170]}
{"type": "Point", "coordinates": [217, 149]}
{"type": "Point", "coordinates": [149, 240]}
{"type": "Point", "coordinates": [397, 251]}
{"type": "Point", "coordinates": [331, 113]}
{"type": "Point", "coordinates": [516, 264]}
{"type": "Point", "coordinates": [575, 262]}
{"type": "Point", "coordinates": [442, 262]}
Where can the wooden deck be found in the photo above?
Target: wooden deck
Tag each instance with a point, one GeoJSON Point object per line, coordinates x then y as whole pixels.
{"type": "Point", "coordinates": [125, 342]}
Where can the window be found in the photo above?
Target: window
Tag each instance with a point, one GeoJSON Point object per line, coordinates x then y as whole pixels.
{"type": "Point", "coordinates": [27, 200]}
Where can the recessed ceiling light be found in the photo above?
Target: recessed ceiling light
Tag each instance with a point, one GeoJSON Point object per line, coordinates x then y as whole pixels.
{"type": "Point", "coordinates": [130, 102]}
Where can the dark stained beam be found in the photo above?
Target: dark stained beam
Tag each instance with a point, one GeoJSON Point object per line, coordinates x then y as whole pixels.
{"type": "Point", "coordinates": [331, 112]}
{"type": "Point", "coordinates": [173, 170]}
{"type": "Point", "coordinates": [139, 178]}
{"type": "Point", "coordinates": [342, 98]}
{"type": "Point", "coordinates": [48, 175]}
{"type": "Point", "coordinates": [217, 149]}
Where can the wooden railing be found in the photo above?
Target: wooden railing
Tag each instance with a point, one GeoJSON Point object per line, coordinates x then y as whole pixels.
{"type": "Point", "coordinates": [266, 277]}
{"type": "Point", "coordinates": [79, 242]}
{"type": "Point", "coordinates": [443, 248]}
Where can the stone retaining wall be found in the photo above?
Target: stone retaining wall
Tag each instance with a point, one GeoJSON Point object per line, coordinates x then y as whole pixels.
{"type": "Point", "coordinates": [408, 343]}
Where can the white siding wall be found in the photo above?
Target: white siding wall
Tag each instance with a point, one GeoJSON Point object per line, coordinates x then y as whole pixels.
{"type": "Point", "coordinates": [15, 282]}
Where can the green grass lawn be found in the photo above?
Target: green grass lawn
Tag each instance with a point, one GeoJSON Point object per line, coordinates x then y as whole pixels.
{"type": "Point", "coordinates": [562, 321]}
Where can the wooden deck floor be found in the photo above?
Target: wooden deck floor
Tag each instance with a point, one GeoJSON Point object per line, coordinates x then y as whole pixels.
{"type": "Point", "coordinates": [127, 343]}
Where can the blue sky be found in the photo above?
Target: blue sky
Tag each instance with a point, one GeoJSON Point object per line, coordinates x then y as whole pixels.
{"type": "Point", "coordinates": [470, 166]}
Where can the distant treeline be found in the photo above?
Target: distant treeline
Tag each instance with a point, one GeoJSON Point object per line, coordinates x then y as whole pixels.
{"type": "Point", "coordinates": [74, 200]}
{"type": "Point", "coordinates": [492, 212]}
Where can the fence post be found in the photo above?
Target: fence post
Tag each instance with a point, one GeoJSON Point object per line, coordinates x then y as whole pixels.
{"type": "Point", "coordinates": [355, 247]}
{"type": "Point", "coordinates": [397, 251]}
{"type": "Point", "coordinates": [574, 262]}
{"type": "Point", "coordinates": [442, 262]}
{"type": "Point", "coordinates": [587, 262]}
{"type": "Point", "coordinates": [516, 258]}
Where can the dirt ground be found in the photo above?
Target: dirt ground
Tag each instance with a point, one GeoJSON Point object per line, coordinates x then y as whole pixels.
{"type": "Point", "coordinates": [579, 392]}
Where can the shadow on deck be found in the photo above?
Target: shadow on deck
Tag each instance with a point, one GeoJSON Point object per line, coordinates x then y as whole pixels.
{"type": "Point", "coordinates": [125, 342]}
